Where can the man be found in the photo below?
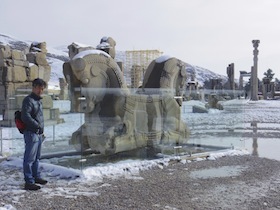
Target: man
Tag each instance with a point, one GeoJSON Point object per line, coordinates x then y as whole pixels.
{"type": "Point", "coordinates": [32, 116]}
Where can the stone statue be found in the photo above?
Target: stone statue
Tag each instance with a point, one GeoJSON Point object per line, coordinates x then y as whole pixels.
{"type": "Point", "coordinates": [117, 120]}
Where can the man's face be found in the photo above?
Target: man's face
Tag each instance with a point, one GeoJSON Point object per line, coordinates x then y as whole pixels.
{"type": "Point", "coordinates": [38, 90]}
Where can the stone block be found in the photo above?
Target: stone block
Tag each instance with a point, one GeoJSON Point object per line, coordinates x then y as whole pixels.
{"type": "Point", "coordinates": [5, 74]}
{"type": "Point", "coordinates": [47, 114]}
{"type": "Point", "coordinates": [7, 90]}
{"type": "Point", "coordinates": [5, 52]}
{"type": "Point", "coordinates": [18, 55]}
{"type": "Point", "coordinates": [6, 62]}
{"type": "Point", "coordinates": [2, 106]}
{"type": "Point", "coordinates": [44, 73]}
{"type": "Point", "coordinates": [8, 114]}
{"type": "Point", "coordinates": [41, 59]}
{"type": "Point", "coordinates": [23, 63]}
{"type": "Point", "coordinates": [199, 109]}
{"type": "Point", "coordinates": [2, 93]}
{"type": "Point", "coordinates": [22, 88]}
{"type": "Point", "coordinates": [38, 47]}
{"type": "Point", "coordinates": [32, 72]}
{"type": "Point", "coordinates": [15, 102]}
{"type": "Point", "coordinates": [10, 62]}
{"type": "Point", "coordinates": [31, 57]}
{"type": "Point", "coordinates": [19, 74]}
{"type": "Point", "coordinates": [47, 101]}
{"type": "Point", "coordinates": [13, 74]}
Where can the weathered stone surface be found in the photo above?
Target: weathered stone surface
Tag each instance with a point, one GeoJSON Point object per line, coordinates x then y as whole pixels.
{"type": "Point", "coordinates": [117, 120]}
{"type": "Point", "coordinates": [33, 73]}
{"type": "Point", "coordinates": [107, 44]}
{"type": "Point", "coordinates": [214, 102]}
{"type": "Point", "coordinates": [16, 101]}
{"type": "Point", "coordinates": [47, 101]}
{"type": "Point", "coordinates": [16, 76]}
{"type": "Point", "coordinates": [44, 72]}
{"type": "Point", "coordinates": [63, 94]}
{"type": "Point", "coordinates": [22, 88]}
{"type": "Point", "coordinates": [38, 58]}
{"type": "Point", "coordinates": [199, 109]}
{"type": "Point", "coordinates": [5, 62]}
{"type": "Point", "coordinates": [41, 59]}
{"type": "Point", "coordinates": [10, 62]}
{"type": "Point", "coordinates": [7, 90]}
{"type": "Point", "coordinates": [18, 55]}
{"type": "Point", "coordinates": [5, 52]}
{"type": "Point", "coordinates": [23, 63]}
{"type": "Point", "coordinates": [13, 74]}
{"type": "Point", "coordinates": [38, 47]}
{"type": "Point", "coordinates": [31, 57]}
{"type": "Point", "coordinates": [75, 48]}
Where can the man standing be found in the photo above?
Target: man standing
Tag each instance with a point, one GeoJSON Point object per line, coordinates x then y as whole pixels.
{"type": "Point", "coordinates": [32, 116]}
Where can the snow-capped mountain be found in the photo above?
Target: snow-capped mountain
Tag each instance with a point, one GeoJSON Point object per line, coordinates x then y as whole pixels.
{"type": "Point", "coordinates": [56, 56]}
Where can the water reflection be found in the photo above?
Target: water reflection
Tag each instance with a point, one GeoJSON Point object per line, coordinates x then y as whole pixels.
{"type": "Point", "coordinates": [255, 146]}
{"type": "Point", "coordinates": [254, 124]}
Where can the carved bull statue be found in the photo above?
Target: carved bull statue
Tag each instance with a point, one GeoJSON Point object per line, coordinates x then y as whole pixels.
{"type": "Point", "coordinates": [117, 120]}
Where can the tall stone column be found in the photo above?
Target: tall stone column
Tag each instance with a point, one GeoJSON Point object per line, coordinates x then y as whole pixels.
{"type": "Point", "coordinates": [254, 72]}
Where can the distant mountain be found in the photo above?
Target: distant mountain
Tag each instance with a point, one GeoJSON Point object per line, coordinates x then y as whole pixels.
{"type": "Point", "coordinates": [56, 56]}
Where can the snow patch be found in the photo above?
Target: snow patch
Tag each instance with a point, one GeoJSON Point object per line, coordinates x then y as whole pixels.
{"type": "Point", "coordinates": [88, 52]}
{"type": "Point", "coordinates": [163, 58]}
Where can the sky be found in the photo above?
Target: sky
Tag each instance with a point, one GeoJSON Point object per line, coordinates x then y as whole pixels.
{"type": "Point", "coordinates": [211, 34]}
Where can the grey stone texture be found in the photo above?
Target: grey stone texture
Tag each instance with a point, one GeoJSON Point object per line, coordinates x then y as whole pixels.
{"type": "Point", "coordinates": [75, 48]}
{"type": "Point", "coordinates": [199, 109]}
{"type": "Point", "coordinates": [17, 71]}
{"type": "Point", "coordinates": [116, 119]}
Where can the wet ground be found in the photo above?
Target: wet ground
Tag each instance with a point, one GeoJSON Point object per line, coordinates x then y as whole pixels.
{"type": "Point", "coordinates": [242, 124]}
{"type": "Point", "coordinates": [232, 182]}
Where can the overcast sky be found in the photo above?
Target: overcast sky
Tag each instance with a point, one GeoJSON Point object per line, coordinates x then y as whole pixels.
{"type": "Point", "coordinates": [207, 33]}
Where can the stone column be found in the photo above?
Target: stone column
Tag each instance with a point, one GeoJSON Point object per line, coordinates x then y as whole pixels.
{"type": "Point", "coordinates": [240, 82]}
{"type": "Point", "coordinates": [254, 72]}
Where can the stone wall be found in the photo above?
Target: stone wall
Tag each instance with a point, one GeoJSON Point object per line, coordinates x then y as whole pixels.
{"type": "Point", "coordinates": [18, 70]}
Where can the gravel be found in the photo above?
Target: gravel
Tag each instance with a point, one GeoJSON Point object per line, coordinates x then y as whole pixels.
{"type": "Point", "coordinates": [230, 182]}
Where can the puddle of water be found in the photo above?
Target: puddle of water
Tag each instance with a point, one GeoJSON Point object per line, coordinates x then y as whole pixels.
{"type": "Point", "coordinates": [263, 147]}
{"type": "Point", "coordinates": [225, 171]}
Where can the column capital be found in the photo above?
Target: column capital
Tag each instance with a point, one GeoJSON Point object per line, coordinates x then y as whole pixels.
{"type": "Point", "coordinates": [255, 43]}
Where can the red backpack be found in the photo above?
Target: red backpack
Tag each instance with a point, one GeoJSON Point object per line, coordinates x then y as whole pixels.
{"type": "Point", "coordinates": [19, 123]}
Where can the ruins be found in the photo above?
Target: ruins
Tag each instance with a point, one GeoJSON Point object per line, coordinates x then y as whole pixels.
{"type": "Point", "coordinates": [254, 72]}
{"type": "Point", "coordinates": [17, 71]}
{"type": "Point", "coordinates": [116, 119]}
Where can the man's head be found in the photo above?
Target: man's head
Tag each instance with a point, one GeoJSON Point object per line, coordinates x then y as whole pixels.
{"type": "Point", "coordinates": [38, 86]}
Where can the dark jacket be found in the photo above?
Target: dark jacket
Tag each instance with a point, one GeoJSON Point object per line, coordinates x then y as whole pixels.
{"type": "Point", "coordinates": [32, 113]}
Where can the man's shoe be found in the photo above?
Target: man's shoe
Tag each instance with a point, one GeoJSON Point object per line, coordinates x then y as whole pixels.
{"type": "Point", "coordinates": [40, 181]}
{"type": "Point", "coordinates": [29, 186]}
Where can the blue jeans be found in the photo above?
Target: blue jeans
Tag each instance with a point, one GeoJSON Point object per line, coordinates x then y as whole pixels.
{"type": "Point", "coordinates": [31, 157]}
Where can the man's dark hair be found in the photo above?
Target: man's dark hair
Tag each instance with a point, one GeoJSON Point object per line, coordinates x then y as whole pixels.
{"type": "Point", "coordinates": [39, 82]}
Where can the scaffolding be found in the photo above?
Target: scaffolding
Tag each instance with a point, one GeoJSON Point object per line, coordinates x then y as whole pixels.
{"type": "Point", "coordinates": [140, 59]}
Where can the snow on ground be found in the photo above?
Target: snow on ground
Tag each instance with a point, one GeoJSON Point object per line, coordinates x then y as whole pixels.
{"type": "Point", "coordinates": [204, 126]}
{"type": "Point", "coordinates": [11, 176]}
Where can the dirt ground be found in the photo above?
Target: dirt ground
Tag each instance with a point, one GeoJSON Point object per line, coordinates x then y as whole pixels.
{"type": "Point", "coordinates": [230, 182]}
